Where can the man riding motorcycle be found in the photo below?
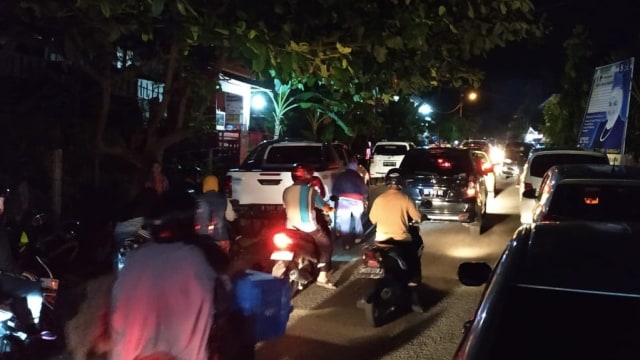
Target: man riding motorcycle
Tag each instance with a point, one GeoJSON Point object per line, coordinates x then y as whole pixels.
{"type": "Point", "coordinates": [25, 291]}
{"type": "Point", "coordinates": [391, 213]}
{"type": "Point", "coordinates": [300, 200]}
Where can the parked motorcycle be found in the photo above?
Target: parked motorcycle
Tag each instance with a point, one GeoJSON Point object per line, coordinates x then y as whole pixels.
{"type": "Point", "coordinates": [390, 294]}
{"type": "Point", "coordinates": [14, 341]}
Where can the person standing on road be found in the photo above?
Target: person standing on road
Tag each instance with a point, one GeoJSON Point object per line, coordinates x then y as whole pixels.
{"type": "Point", "coordinates": [352, 196]}
{"type": "Point", "coordinates": [157, 180]}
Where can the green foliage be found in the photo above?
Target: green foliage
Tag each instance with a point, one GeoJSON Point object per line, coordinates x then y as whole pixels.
{"type": "Point", "coordinates": [564, 112]}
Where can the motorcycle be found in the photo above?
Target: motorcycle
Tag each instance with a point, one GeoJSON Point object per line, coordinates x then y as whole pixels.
{"type": "Point", "coordinates": [295, 258]}
{"type": "Point", "coordinates": [14, 340]}
{"type": "Point", "coordinates": [385, 265]}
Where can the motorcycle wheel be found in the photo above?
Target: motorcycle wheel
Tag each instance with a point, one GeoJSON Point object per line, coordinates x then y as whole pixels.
{"type": "Point", "coordinates": [281, 269]}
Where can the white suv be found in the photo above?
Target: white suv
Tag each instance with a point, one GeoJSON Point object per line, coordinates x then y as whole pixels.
{"type": "Point", "coordinates": [386, 156]}
{"type": "Point", "coordinates": [537, 165]}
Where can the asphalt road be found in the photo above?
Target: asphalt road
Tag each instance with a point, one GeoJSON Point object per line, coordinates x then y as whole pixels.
{"type": "Point", "coordinates": [326, 324]}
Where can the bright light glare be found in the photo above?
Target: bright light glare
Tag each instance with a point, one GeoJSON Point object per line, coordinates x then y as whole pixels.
{"type": "Point", "coordinates": [472, 96]}
{"type": "Point", "coordinates": [281, 240]}
{"type": "Point", "coordinates": [258, 102]}
{"type": "Point", "coordinates": [425, 109]}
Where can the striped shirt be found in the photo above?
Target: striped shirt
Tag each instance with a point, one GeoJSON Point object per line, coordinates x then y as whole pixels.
{"type": "Point", "coordinates": [299, 203]}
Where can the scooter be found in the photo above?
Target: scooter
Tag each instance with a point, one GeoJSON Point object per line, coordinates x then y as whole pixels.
{"type": "Point", "coordinates": [390, 294]}
{"type": "Point", "coordinates": [295, 258]}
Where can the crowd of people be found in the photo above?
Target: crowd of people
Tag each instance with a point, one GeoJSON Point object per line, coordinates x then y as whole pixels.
{"type": "Point", "coordinates": [173, 289]}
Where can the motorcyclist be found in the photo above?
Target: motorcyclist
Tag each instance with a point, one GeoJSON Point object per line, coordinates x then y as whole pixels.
{"type": "Point", "coordinates": [163, 299]}
{"type": "Point", "coordinates": [300, 200]}
{"type": "Point", "coordinates": [25, 291]}
{"type": "Point", "coordinates": [391, 213]}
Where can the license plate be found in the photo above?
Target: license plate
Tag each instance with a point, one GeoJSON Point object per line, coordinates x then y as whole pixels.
{"type": "Point", "coordinates": [388, 163]}
{"type": "Point", "coordinates": [433, 192]}
{"type": "Point", "coordinates": [369, 272]}
{"type": "Point", "coordinates": [283, 255]}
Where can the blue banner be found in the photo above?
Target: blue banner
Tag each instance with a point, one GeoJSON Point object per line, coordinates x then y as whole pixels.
{"type": "Point", "coordinates": [604, 126]}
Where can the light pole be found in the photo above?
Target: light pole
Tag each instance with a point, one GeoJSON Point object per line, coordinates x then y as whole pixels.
{"type": "Point", "coordinates": [471, 96]}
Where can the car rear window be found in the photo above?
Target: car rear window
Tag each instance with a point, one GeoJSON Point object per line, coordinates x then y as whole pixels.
{"type": "Point", "coordinates": [444, 163]}
{"type": "Point", "coordinates": [541, 163]}
{"type": "Point", "coordinates": [607, 202]}
{"type": "Point", "coordinates": [279, 155]}
{"type": "Point", "coordinates": [390, 149]}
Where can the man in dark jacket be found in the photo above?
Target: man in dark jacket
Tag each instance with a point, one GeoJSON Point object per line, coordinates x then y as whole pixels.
{"type": "Point", "coordinates": [214, 213]}
{"type": "Point", "coordinates": [352, 195]}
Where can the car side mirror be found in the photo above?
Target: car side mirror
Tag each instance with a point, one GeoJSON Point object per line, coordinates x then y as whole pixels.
{"type": "Point", "coordinates": [529, 194]}
{"type": "Point", "coordinates": [474, 273]}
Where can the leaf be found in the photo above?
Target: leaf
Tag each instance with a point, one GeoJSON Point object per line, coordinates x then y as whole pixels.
{"type": "Point", "coordinates": [105, 9]}
{"type": "Point", "coordinates": [470, 12]}
{"type": "Point", "coordinates": [156, 7]}
{"type": "Point", "coordinates": [380, 53]}
{"type": "Point", "coordinates": [344, 63]}
{"type": "Point", "coordinates": [181, 8]}
{"type": "Point", "coordinates": [343, 49]}
{"type": "Point", "coordinates": [442, 10]}
{"type": "Point", "coordinates": [503, 8]}
{"type": "Point", "coordinates": [252, 34]}
{"type": "Point", "coordinates": [145, 37]}
{"type": "Point", "coordinates": [395, 42]}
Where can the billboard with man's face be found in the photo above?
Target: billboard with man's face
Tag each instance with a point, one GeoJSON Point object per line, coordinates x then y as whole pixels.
{"type": "Point", "coordinates": [605, 122]}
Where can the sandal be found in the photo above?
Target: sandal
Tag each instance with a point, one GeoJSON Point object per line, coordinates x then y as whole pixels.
{"type": "Point", "coordinates": [326, 284]}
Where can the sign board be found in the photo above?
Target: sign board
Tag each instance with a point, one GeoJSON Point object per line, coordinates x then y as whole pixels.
{"type": "Point", "coordinates": [604, 126]}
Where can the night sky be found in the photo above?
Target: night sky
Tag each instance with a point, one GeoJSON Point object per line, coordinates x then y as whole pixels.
{"type": "Point", "coordinates": [530, 71]}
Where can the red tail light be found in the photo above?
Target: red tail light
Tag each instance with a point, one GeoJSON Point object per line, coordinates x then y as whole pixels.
{"type": "Point", "coordinates": [528, 186]}
{"type": "Point", "coordinates": [282, 240]}
{"type": "Point", "coordinates": [228, 187]}
{"type": "Point", "coordinates": [370, 259]}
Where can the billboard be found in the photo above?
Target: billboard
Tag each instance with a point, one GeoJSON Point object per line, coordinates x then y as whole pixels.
{"type": "Point", "coordinates": [604, 126]}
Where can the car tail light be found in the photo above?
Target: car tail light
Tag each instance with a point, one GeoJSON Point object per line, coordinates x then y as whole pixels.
{"type": "Point", "coordinates": [527, 186]}
{"type": "Point", "coordinates": [471, 190]}
{"type": "Point", "coordinates": [282, 240]}
{"type": "Point", "coordinates": [228, 187]}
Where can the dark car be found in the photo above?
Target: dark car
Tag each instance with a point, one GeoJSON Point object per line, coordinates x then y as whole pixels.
{"type": "Point", "coordinates": [447, 184]}
{"type": "Point", "coordinates": [587, 192]}
{"type": "Point", "coordinates": [561, 290]}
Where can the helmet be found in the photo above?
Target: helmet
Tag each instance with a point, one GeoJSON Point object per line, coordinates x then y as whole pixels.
{"type": "Point", "coordinates": [302, 173]}
{"type": "Point", "coordinates": [175, 217]}
{"type": "Point", "coordinates": [394, 177]}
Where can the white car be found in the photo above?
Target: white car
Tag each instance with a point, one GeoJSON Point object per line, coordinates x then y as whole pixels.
{"type": "Point", "coordinates": [489, 171]}
{"type": "Point", "coordinates": [386, 156]}
{"type": "Point", "coordinates": [537, 165]}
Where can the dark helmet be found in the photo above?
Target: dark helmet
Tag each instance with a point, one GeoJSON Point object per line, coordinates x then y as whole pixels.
{"type": "Point", "coordinates": [394, 177]}
{"type": "Point", "coordinates": [302, 173]}
{"type": "Point", "coordinates": [175, 217]}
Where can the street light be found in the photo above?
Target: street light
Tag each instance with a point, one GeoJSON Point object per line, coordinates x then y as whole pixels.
{"type": "Point", "coordinates": [471, 96]}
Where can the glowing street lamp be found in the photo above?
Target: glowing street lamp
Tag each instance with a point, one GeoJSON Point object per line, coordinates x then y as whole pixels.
{"type": "Point", "coordinates": [471, 96]}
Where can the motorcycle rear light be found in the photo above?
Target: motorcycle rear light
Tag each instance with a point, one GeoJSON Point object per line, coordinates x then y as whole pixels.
{"type": "Point", "coordinates": [282, 240]}
{"type": "Point", "coordinates": [528, 186]}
